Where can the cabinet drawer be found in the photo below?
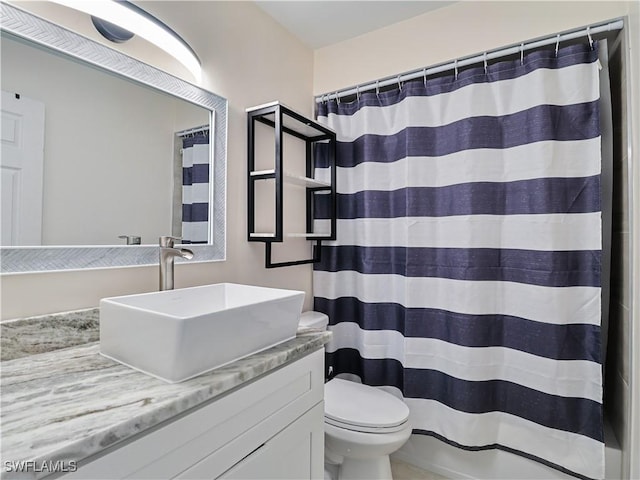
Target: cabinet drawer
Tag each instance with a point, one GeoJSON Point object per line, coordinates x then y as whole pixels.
{"type": "Point", "coordinates": [274, 400]}
{"type": "Point", "coordinates": [295, 453]}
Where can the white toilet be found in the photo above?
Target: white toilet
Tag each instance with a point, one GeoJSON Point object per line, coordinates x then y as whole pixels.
{"type": "Point", "coordinates": [363, 425]}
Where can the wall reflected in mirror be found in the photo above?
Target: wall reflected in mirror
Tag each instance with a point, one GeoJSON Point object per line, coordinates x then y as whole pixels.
{"type": "Point", "coordinates": [112, 159]}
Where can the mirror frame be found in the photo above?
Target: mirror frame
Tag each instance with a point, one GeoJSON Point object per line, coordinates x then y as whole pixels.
{"type": "Point", "coordinates": [29, 259]}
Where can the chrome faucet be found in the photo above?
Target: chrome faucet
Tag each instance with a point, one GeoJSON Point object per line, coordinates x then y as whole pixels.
{"type": "Point", "coordinates": [131, 239]}
{"type": "Point", "coordinates": [168, 253]}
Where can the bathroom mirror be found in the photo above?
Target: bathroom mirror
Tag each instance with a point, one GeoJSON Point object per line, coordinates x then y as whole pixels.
{"type": "Point", "coordinates": [177, 103]}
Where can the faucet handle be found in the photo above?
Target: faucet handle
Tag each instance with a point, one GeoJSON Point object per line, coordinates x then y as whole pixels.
{"type": "Point", "coordinates": [131, 239]}
{"type": "Point", "coordinates": [168, 241]}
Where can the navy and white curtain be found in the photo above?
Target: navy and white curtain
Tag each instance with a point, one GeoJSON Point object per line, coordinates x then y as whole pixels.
{"type": "Point", "coordinates": [466, 274]}
{"type": "Point", "coordinates": [195, 187]}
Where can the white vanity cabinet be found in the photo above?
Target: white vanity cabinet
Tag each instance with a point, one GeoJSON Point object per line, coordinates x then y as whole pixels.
{"type": "Point", "coordinates": [271, 427]}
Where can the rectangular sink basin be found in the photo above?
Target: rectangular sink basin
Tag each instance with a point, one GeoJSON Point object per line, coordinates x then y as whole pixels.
{"type": "Point", "coordinates": [175, 335]}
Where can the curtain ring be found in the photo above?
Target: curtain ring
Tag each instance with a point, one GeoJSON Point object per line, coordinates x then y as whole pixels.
{"type": "Point", "coordinates": [589, 36]}
{"type": "Point", "coordinates": [358, 93]}
{"type": "Point", "coordinates": [337, 99]}
{"type": "Point", "coordinates": [378, 89]}
{"type": "Point", "coordinates": [522, 54]}
{"type": "Point", "coordinates": [455, 68]}
{"type": "Point", "coordinates": [424, 73]}
{"type": "Point", "coordinates": [557, 44]}
{"type": "Point", "coordinates": [399, 84]}
{"type": "Point", "coordinates": [485, 63]}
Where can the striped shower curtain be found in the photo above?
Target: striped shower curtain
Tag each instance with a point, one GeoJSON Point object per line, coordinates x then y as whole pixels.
{"type": "Point", "coordinates": [195, 188]}
{"type": "Point", "coordinates": [466, 271]}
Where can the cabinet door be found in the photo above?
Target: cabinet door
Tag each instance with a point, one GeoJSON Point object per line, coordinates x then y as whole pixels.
{"type": "Point", "coordinates": [295, 453]}
{"type": "Point", "coordinates": [222, 432]}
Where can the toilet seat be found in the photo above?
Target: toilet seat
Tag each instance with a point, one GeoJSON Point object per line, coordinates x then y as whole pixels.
{"type": "Point", "coordinates": [362, 408]}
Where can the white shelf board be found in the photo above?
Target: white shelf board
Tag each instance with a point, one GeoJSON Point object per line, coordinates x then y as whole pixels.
{"type": "Point", "coordinates": [257, 173]}
{"type": "Point", "coordinates": [262, 235]}
{"type": "Point", "coordinates": [291, 235]}
{"type": "Point", "coordinates": [293, 179]}
{"type": "Point", "coordinates": [308, 235]}
{"type": "Point", "coordinates": [304, 181]}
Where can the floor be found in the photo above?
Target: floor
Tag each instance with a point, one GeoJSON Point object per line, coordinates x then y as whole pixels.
{"type": "Point", "coordinates": [404, 471]}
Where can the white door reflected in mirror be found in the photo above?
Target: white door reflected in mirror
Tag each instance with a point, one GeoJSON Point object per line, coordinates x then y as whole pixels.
{"type": "Point", "coordinates": [21, 169]}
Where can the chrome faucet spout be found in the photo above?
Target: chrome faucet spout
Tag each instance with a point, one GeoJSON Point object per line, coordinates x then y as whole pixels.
{"type": "Point", "coordinates": [168, 253]}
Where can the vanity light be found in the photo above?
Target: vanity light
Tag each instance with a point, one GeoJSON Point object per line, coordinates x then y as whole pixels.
{"type": "Point", "coordinates": [132, 18]}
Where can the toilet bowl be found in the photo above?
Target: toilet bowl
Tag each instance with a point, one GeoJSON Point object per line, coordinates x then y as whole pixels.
{"type": "Point", "coordinates": [363, 425]}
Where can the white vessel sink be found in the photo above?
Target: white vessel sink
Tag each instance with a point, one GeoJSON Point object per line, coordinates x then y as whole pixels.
{"type": "Point", "coordinates": [178, 334]}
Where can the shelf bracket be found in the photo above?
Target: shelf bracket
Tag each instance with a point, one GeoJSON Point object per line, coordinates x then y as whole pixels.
{"type": "Point", "coordinates": [283, 120]}
{"type": "Point", "coordinates": [269, 264]}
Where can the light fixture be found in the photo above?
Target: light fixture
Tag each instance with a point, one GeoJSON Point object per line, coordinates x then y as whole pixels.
{"type": "Point", "coordinates": [139, 22]}
{"type": "Point", "coordinates": [111, 32]}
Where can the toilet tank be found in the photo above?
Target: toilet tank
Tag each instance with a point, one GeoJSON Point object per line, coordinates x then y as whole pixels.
{"type": "Point", "coordinates": [314, 320]}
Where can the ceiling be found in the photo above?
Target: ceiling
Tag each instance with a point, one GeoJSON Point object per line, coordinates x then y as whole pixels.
{"type": "Point", "coordinates": [321, 23]}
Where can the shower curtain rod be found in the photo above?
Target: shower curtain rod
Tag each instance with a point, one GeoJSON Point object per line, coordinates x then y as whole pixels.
{"type": "Point", "coordinates": [189, 131]}
{"type": "Point", "coordinates": [462, 62]}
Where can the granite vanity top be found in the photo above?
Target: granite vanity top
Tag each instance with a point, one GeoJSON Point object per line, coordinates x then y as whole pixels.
{"type": "Point", "coordinates": [72, 403]}
{"type": "Point", "coordinates": [28, 336]}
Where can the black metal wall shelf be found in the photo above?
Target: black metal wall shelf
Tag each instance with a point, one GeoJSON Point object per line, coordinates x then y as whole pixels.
{"type": "Point", "coordinates": [285, 121]}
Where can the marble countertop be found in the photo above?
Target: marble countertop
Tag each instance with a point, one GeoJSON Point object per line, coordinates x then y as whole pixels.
{"type": "Point", "coordinates": [69, 404]}
{"type": "Point", "coordinates": [27, 336]}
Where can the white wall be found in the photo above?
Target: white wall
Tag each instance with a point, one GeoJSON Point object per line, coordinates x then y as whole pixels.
{"type": "Point", "coordinates": [462, 29]}
{"type": "Point", "coordinates": [247, 58]}
{"type": "Point", "coordinates": [468, 28]}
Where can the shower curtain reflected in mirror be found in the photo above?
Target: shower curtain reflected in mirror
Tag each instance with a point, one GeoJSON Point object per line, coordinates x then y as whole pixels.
{"type": "Point", "coordinates": [195, 187]}
{"type": "Point", "coordinates": [467, 271]}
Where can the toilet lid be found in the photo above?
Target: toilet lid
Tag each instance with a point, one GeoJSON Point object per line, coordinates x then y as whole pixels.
{"type": "Point", "coordinates": [360, 405]}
